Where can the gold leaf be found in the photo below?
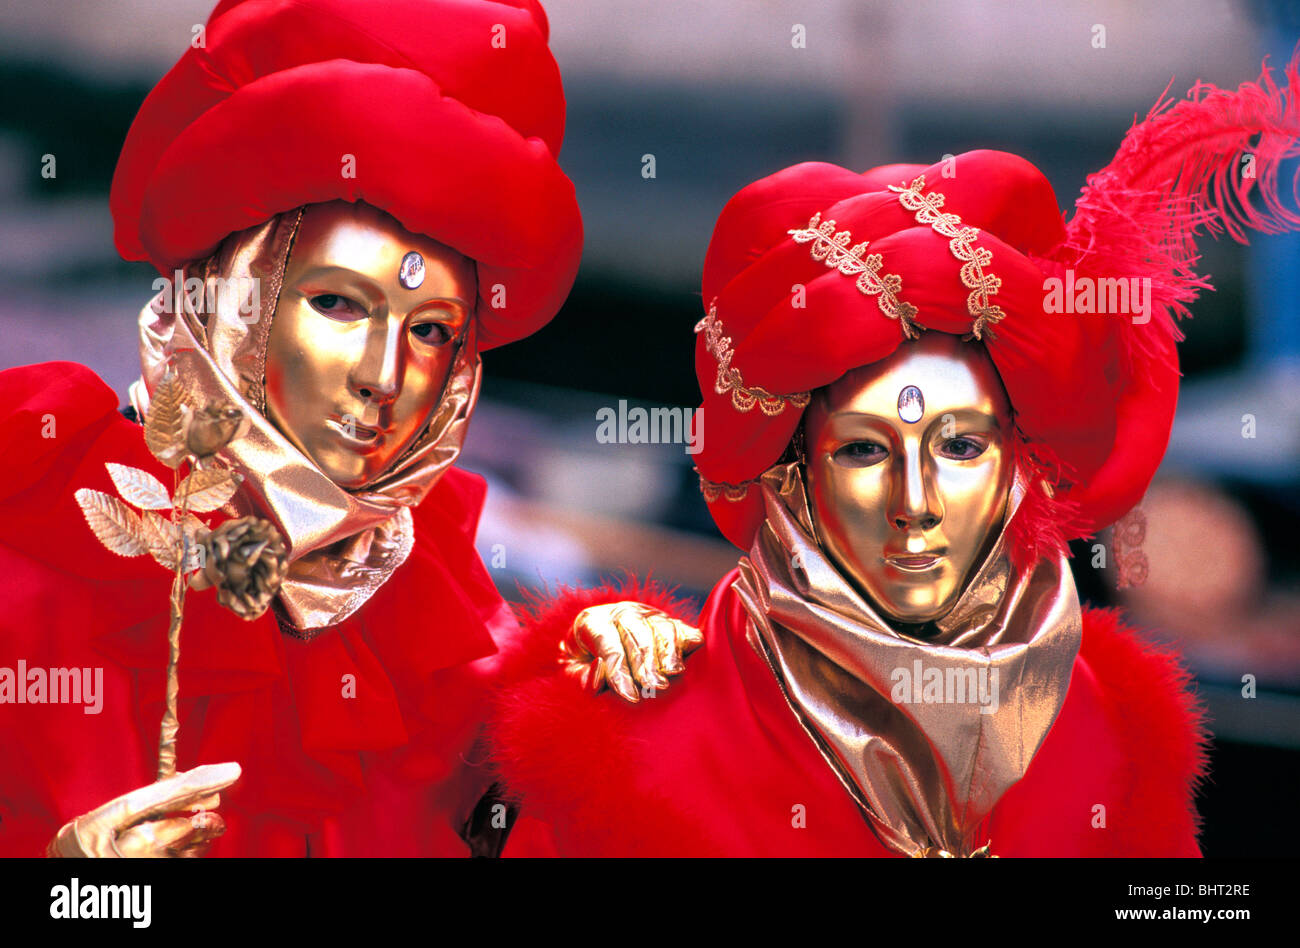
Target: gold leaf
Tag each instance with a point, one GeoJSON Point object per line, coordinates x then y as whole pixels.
{"type": "Point", "coordinates": [207, 489]}
{"type": "Point", "coordinates": [164, 424]}
{"type": "Point", "coordinates": [162, 539]}
{"type": "Point", "coordinates": [117, 525]}
{"type": "Point", "coordinates": [139, 487]}
{"type": "Point", "coordinates": [165, 541]}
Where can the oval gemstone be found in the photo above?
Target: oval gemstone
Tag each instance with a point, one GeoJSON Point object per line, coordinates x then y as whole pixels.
{"type": "Point", "coordinates": [911, 404]}
{"type": "Point", "coordinates": [411, 272]}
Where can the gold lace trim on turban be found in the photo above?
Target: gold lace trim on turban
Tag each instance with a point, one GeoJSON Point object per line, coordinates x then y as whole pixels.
{"type": "Point", "coordinates": [743, 397]}
{"type": "Point", "coordinates": [833, 249]}
{"type": "Point", "coordinates": [713, 490]}
{"type": "Point", "coordinates": [928, 208]}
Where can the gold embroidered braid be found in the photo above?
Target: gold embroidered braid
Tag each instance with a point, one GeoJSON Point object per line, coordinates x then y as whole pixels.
{"type": "Point", "coordinates": [743, 397]}
{"type": "Point", "coordinates": [974, 259]}
{"type": "Point", "coordinates": [735, 493]}
{"type": "Point", "coordinates": [834, 250]}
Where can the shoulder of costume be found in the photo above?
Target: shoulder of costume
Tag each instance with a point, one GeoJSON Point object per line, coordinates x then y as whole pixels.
{"type": "Point", "coordinates": [557, 746]}
{"type": "Point", "coordinates": [59, 427]}
{"type": "Point", "coordinates": [455, 501]}
{"type": "Point", "coordinates": [44, 409]}
{"type": "Point", "coordinates": [585, 766]}
{"type": "Point", "coordinates": [1150, 697]}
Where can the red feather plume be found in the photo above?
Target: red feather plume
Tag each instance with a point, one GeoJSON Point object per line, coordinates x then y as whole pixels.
{"type": "Point", "coordinates": [1188, 167]}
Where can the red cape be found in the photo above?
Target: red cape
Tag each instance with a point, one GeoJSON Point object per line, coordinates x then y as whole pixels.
{"type": "Point", "coordinates": [718, 765]}
{"type": "Point", "coordinates": [391, 771]}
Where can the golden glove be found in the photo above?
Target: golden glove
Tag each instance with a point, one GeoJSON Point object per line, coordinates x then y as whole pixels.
{"type": "Point", "coordinates": [137, 824]}
{"type": "Point", "coordinates": [626, 644]}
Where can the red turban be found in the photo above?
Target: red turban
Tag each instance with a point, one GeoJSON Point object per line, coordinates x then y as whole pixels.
{"type": "Point", "coordinates": [447, 114]}
{"type": "Point", "coordinates": [817, 270]}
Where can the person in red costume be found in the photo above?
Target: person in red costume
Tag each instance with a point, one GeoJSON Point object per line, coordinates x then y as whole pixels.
{"type": "Point", "coordinates": [347, 203]}
{"type": "Point", "coordinates": [919, 383]}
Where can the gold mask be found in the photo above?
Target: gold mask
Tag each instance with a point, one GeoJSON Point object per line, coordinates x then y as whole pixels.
{"type": "Point", "coordinates": [909, 469]}
{"type": "Point", "coordinates": [343, 543]}
{"type": "Point", "coordinates": [363, 338]}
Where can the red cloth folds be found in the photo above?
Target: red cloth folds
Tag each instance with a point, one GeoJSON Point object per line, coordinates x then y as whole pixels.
{"type": "Point", "coordinates": [717, 765]}
{"type": "Point", "coordinates": [795, 324]}
{"type": "Point", "coordinates": [1086, 342]}
{"type": "Point", "coordinates": [364, 736]}
{"type": "Point", "coordinates": [447, 114]}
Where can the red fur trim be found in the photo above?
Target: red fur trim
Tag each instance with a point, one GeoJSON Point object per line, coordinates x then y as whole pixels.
{"type": "Point", "coordinates": [580, 763]}
{"type": "Point", "coordinates": [576, 753]}
{"type": "Point", "coordinates": [572, 749]}
{"type": "Point", "coordinates": [546, 616]}
{"type": "Point", "coordinates": [1151, 698]}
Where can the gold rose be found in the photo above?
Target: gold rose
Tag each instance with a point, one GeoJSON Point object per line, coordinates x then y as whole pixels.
{"type": "Point", "coordinates": [179, 435]}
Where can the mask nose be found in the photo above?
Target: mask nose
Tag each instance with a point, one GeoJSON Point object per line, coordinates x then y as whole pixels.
{"type": "Point", "coordinates": [914, 504]}
{"type": "Point", "coordinates": [376, 377]}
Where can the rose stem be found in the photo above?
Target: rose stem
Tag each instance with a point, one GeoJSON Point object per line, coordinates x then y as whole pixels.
{"type": "Point", "coordinates": [170, 721]}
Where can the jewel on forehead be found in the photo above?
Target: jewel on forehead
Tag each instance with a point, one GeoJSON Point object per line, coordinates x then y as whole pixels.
{"type": "Point", "coordinates": [411, 272]}
{"type": "Point", "coordinates": [911, 404]}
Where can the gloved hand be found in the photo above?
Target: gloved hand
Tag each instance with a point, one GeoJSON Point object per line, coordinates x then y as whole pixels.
{"type": "Point", "coordinates": [626, 645]}
{"type": "Point", "coordinates": [137, 824]}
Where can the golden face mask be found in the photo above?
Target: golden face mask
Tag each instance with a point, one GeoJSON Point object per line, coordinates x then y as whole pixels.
{"type": "Point", "coordinates": [344, 542]}
{"type": "Point", "coordinates": [908, 470]}
{"type": "Point", "coordinates": [926, 768]}
{"type": "Point", "coordinates": [363, 338]}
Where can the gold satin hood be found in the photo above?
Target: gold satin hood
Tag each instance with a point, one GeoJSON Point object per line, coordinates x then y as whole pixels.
{"type": "Point", "coordinates": [926, 735]}
{"type": "Point", "coordinates": [343, 544]}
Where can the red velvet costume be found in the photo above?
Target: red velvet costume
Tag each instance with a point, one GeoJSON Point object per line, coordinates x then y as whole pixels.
{"type": "Point", "coordinates": [815, 271]}
{"type": "Point", "coordinates": [717, 764]}
{"type": "Point", "coordinates": [448, 115]}
{"type": "Point", "coordinates": [389, 772]}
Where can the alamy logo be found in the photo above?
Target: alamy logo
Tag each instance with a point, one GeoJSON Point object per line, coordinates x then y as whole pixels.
{"type": "Point", "coordinates": [103, 901]}
{"type": "Point", "coordinates": [650, 426]}
{"type": "Point", "coordinates": [1105, 295]}
{"type": "Point", "coordinates": [951, 685]}
{"type": "Point", "coordinates": [23, 685]}
{"type": "Point", "coordinates": [202, 295]}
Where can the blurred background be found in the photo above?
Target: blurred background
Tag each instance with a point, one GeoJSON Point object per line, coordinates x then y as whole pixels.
{"type": "Point", "coordinates": [722, 92]}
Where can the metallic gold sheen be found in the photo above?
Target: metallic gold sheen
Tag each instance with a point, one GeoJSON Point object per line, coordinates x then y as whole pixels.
{"type": "Point", "coordinates": [626, 644]}
{"type": "Point", "coordinates": [138, 824]}
{"type": "Point", "coordinates": [353, 389]}
{"type": "Point", "coordinates": [343, 543]}
{"type": "Point", "coordinates": [898, 506]}
{"type": "Point", "coordinates": [926, 773]}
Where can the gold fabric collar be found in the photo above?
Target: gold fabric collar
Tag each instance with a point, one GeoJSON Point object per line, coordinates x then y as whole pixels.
{"type": "Point", "coordinates": [926, 735]}
{"type": "Point", "coordinates": [343, 545]}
